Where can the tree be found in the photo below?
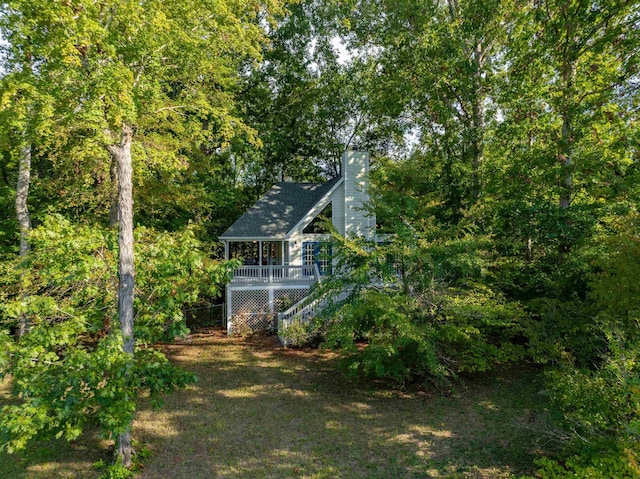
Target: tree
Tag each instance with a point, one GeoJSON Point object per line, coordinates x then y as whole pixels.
{"type": "Point", "coordinates": [435, 67]}
{"type": "Point", "coordinates": [123, 71]}
{"type": "Point", "coordinates": [573, 64]}
{"type": "Point", "coordinates": [303, 100]}
{"type": "Point", "coordinates": [25, 111]}
{"type": "Point", "coordinates": [122, 155]}
{"type": "Point", "coordinates": [71, 369]}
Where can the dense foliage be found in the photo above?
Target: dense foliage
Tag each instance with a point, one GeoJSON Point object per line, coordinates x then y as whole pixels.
{"type": "Point", "coordinates": [69, 370]}
{"type": "Point", "coordinates": [504, 140]}
{"type": "Point", "coordinates": [420, 318]}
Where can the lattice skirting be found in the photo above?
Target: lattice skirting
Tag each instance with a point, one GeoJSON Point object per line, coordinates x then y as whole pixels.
{"type": "Point", "coordinates": [253, 310]}
{"type": "Point", "coordinates": [285, 298]}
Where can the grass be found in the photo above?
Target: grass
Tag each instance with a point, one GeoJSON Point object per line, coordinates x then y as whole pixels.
{"type": "Point", "coordinates": [51, 459]}
{"type": "Point", "coordinates": [260, 411]}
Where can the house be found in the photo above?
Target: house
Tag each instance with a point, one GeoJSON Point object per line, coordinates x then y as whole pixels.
{"type": "Point", "coordinates": [281, 238]}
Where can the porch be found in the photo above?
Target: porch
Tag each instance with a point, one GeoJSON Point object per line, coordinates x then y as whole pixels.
{"type": "Point", "coordinates": [258, 252]}
{"type": "Point", "coordinates": [256, 294]}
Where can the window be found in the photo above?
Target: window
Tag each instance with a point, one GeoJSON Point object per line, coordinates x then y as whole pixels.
{"type": "Point", "coordinates": [309, 254]}
{"type": "Point", "coordinates": [317, 253]}
{"type": "Point", "coordinates": [324, 259]}
{"type": "Point", "coordinates": [319, 223]}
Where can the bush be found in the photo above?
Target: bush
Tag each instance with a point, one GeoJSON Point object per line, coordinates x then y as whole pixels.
{"type": "Point", "coordinates": [563, 332]}
{"type": "Point", "coordinates": [599, 402]}
{"type": "Point", "coordinates": [417, 321]}
{"type": "Point", "coordinates": [298, 334]}
{"type": "Point", "coordinates": [599, 461]}
{"type": "Point", "coordinates": [387, 334]}
{"type": "Point", "coordinates": [397, 346]}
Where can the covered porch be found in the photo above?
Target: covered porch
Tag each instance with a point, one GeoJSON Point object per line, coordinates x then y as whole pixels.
{"type": "Point", "coordinates": [256, 294]}
{"type": "Point", "coordinates": [258, 252]}
{"type": "Point", "coordinates": [266, 283]}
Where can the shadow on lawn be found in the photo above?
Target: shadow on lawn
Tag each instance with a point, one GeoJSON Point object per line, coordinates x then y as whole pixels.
{"type": "Point", "coordinates": [55, 459]}
{"type": "Point", "coordinates": [261, 411]}
{"type": "Point", "coordinates": [50, 459]}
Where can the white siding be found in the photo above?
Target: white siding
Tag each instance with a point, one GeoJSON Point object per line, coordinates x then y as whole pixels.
{"type": "Point", "coordinates": [355, 169]}
{"type": "Point", "coordinates": [348, 201]}
{"type": "Point", "coordinates": [295, 250]}
{"type": "Point", "coordinates": [337, 208]}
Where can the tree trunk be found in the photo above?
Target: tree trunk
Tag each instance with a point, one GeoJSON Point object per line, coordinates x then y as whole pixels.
{"type": "Point", "coordinates": [113, 210]}
{"type": "Point", "coordinates": [124, 448]}
{"type": "Point", "coordinates": [565, 147]}
{"type": "Point", "coordinates": [476, 53]}
{"type": "Point", "coordinates": [568, 74]}
{"type": "Point", "coordinates": [22, 211]}
{"type": "Point", "coordinates": [22, 193]}
{"type": "Point", "coordinates": [567, 161]}
{"type": "Point", "coordinates": [477, 144]}
{"type": "Point", "coordinates": [122, 154]}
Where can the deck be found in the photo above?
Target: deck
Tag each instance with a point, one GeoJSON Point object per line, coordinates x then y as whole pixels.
{"type": "Point", "coordinates": [256, 293]}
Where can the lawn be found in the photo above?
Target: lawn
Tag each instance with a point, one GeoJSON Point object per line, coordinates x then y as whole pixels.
{"type": "Point", "coordinates": [260, 411]}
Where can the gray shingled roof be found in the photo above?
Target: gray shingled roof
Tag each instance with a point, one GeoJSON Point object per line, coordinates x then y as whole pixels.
{"type": "Point", "coordinates": [278, 210]}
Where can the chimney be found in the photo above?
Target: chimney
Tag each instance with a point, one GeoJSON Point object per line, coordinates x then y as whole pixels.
{"type": "Point", "coordinates": [355, 169]}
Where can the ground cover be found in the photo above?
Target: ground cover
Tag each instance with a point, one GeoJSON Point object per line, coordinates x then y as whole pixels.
{"type": "Point", "coordinates": [260, 411]}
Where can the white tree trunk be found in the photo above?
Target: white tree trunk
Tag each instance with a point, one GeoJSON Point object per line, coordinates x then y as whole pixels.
{"type": "Point", "coordinates": [113, 209]}
{"type": "Point", "coordinates": [22, 194]}
{"type": "Point", "coordinates": [121, 153]}
{"type": "Point", "coordinates": [22, 212]}
{"type": "Point", "coordinates": [566, 148]}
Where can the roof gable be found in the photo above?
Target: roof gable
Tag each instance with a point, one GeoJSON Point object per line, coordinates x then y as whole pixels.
{"type": "Point", "coordinates": [279, 210]}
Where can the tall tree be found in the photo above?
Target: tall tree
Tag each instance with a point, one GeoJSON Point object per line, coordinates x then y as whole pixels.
{"type": "Point", "coordinates": [123, 71]}
{"type": "Point", "coordinates": [22, 194]}
{"type": "Point", "coordinates": [25, 116]}
{"type": "Point", "coordinates": [570, 71]}
{"type": "Point", "coordinates": [126, 270]}
{"type": "Point", "coordinates": [17, 93]}
{"type": "Point", "coordinates": [435, 65]}
{"type": "Point", "coordinates": [304, 100]}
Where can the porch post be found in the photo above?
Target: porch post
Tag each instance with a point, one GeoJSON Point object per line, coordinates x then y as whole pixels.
{"type": "Point", "coordinates": [282, 250]}
{"type": "Point", "coordinates": [260, 253]}
{"type": "Point", "coordinates": [226, 250]}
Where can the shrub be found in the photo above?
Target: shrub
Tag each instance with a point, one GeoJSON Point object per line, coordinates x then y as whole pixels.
{"type": "Point", "coordinates": [415, 324]}
{"type": "Point", "coordinates": [599, 402]}
{"type": "Point", "coordinates": [298, 333]}
{"type": "Point", "coordinates": [397, 346]}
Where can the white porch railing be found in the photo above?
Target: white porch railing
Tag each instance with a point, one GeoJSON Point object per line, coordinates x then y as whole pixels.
{"type": "Point", "coordinates": [303, 310]}
{"type": "Point", "coordinates": [276, 274]}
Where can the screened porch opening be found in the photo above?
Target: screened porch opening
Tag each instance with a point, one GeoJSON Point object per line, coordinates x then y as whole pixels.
{"type": "Point", "coordinates": [258, 253]}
